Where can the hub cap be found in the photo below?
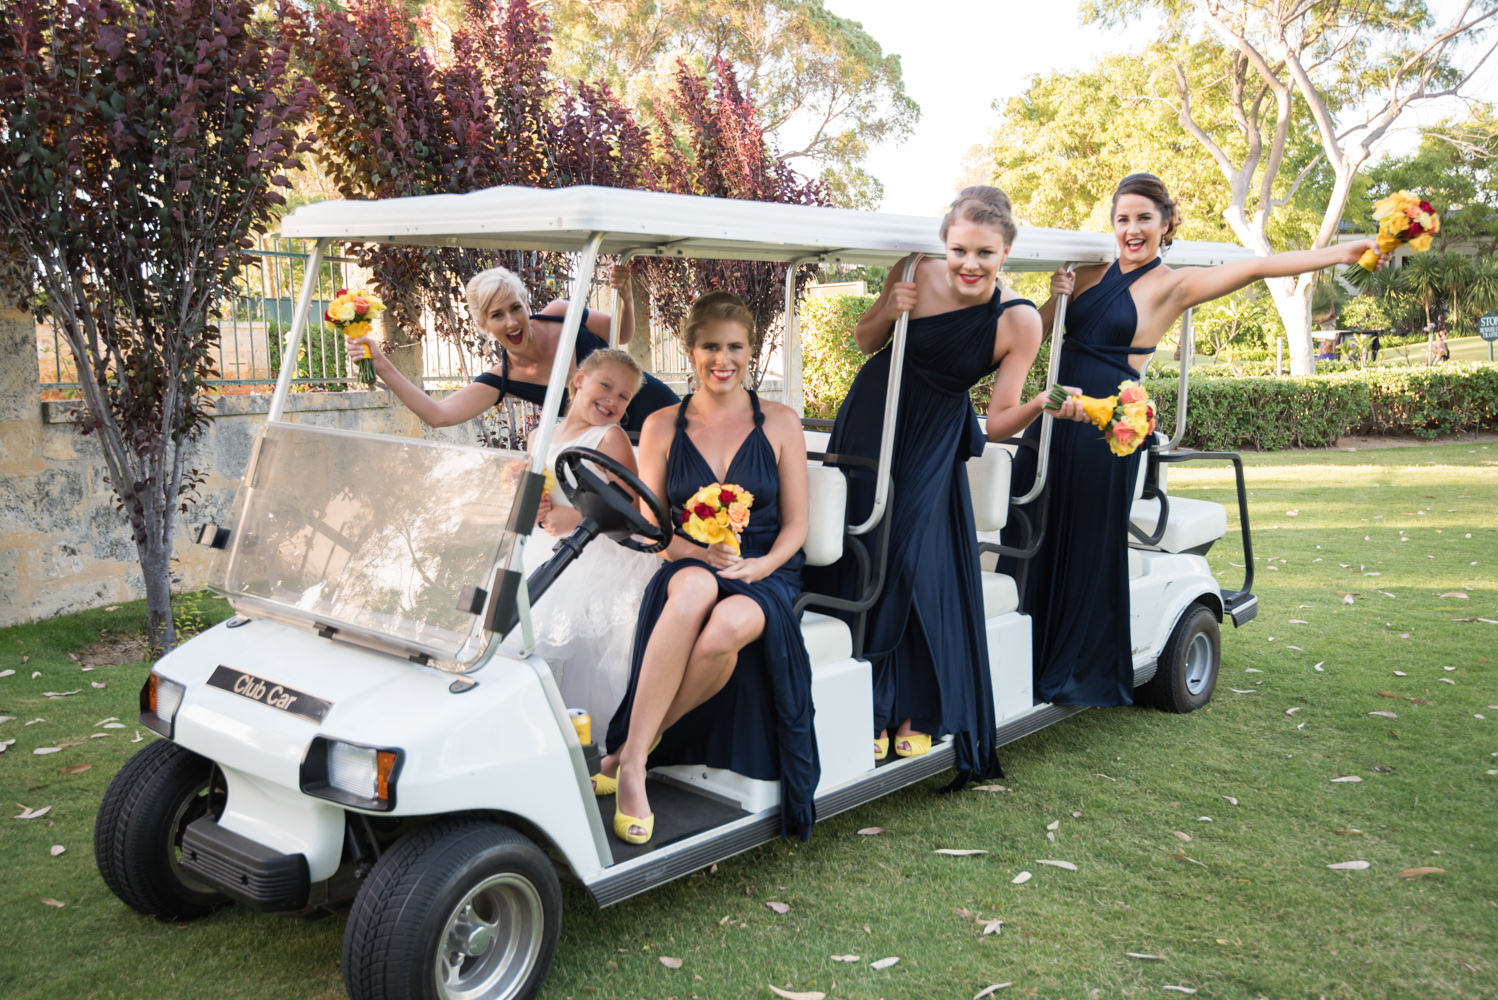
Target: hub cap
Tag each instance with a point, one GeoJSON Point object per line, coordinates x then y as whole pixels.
{"type": "Point", "coordinates": [1198, 663]}
{"type": "Point", "coordinates": [491, 941]}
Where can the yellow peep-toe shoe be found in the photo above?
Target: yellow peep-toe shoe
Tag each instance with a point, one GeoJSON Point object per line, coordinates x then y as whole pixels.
{"type": "Point", "coordinates": [623, 821]}
{"type": "Point", "coordinates": [913, 745]}
{"type": "Point", "coordinates": [603, 785]}
{"type": "Point", "coordinates": [881, 747]}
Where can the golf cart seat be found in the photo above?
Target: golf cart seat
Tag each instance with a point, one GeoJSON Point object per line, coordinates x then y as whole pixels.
{"type": "Point", "coordinates": [1190, 525]}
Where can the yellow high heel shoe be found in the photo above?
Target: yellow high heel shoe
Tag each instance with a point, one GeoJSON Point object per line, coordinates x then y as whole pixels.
{"type": "Point", "coordinates": [913, 745]}
{"type": "Point", "coordinates": [881, 747]}
{"type": "Point", "coordinates": [604, 786]}
{"type": "Point", "coordinates": [623, 821]}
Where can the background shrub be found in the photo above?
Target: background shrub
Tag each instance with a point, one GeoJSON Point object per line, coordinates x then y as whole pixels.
{"type": "Point", "coordinates": [830, 355]}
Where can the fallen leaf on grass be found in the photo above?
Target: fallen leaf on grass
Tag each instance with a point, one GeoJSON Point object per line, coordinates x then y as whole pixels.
{"type": "Point", "coordinates": [46, 901]}
{"type": "Point", "coordinates": [884, 963]}
{"type": "Point", "coordinates": [1179, 989]}
{"type": "Point", "coordinates": [846, 958]}
{"type": "Point", "coordinates": [1350, 866]}
{"type": "Point", "coordinates": [1054, 824]}
{"type": "Point", "coordinates": [1455, 593]}
{"type": "Point", "coordinates": [137, 737]}
{"type": "Point", "coordinates": [6, 673]}
{"type": "Point", "coordinates": [43, 751]}
{"type": "Point", "coordinates": [778, 907]}
{"type": "Point", "coordinates": [669, 962]}
{"type": "Point", "coordinates": [1317, 666]}
{"type": "Point", "coordinates": [1413, 872]}
{"type": "Point", "coordinates": [1056, 864]}
{"type": "Point", "coordinates": [1292, 711]}
{"type": "Point", "coordinates": [1347, 599]}
{"type": "Point", "coordinates": [1021, 878]}
{"type": "Point", "coordinates": [988, 788]}
{"type": "Point", "coordinates": [98, 685]}
{"type": "Point", "coordinates": [1299, 621]}
{"type": "Point", "coordinates": [56, 849]}
{"type": "Point", "coordinates": [1404, 697]}
{"type": "Point", "coordinates": [871, 831]}
{"type": "Point", "coordinates": [791, 995]}
{"type": "Point", "coordinates": [1140, 954]}
{"type": "Point", "coordinates": [1485, 621]}
{"type": "Point", "coordinates": [1384, 715]}
{"type": "Point", "coordinates": [61, 694]}
{"type": "Point", "coordinates": [1243, 690]}
{"type": "Point", "coordinates": [74, 769]}
{"type": "Point", "coordinates": [113, 725]}
{"type": "Point", "coordinates": [1346, 778]}
{"type": "Point", "coordinates": [994, 926]}
{"type": "Point", "coordinates": [1182, 836]}
{"type": "Point", "coordinates": [1231, 801]}
{"type": "Point", "coordinates": [1182, 856]}
{"type": "Point", "coordinates": [1349, 830]}
{"type": "Point", "coordinates": [989, 991]}
{"type": "Point", "coordinates": [28, 813]}
{"type": "Point", "coordinates": [6, 743]}
{"type": "Point", "coordinates": [1400, 673]}
{"type": "Point", "coordinates": [98, 736]}
{"type": "Point", "coordinates": [958, 852]}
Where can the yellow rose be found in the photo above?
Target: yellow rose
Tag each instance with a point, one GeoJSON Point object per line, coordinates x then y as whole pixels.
{"type": "Point", "coordinates": [356, 330]}
{"type": "Point", "coordinates": [341, 312]}
{"type": "Point", "coordinates": [721, 517]}
{"type": "Point", "coordinates": [1387, 242]}
{"type": "Point", "coordinates": [1420, 243]}
{"type": "Point", "coordinates": [1394, 224]}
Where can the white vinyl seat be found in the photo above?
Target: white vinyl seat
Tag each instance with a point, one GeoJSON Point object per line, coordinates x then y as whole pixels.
{"type": "Point", "coordinates": [1190, 526]}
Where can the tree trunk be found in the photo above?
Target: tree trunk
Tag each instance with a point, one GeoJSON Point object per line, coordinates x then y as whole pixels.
{"type": "Point", "coordinates": [156, 565]}
{"type": "Point", "coordinates": [1292, 299]}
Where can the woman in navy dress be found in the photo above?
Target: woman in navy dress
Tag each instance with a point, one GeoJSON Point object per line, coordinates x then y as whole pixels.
{"type": "Point", "coordinates": [925, 635]}
{"type": "Point", "coordinates": [719, 673]}
{"type": "Point", "coordinates": [1077, 587]}
{"type": "Point", "coordinates": [500, 307]}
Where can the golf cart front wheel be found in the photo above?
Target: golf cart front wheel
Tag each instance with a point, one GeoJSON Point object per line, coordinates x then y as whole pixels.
{"type": "Point", "coordinates": [1187, 670]}
{"type": "Point", "coordinates": [463, 909]}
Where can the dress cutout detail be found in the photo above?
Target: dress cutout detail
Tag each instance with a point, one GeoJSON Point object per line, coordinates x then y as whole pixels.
{"type": "Point", "coordinates": [760, 724]}
{"type": "Point", "coordinates": [925, 634]}
{"type": "Point", "coordinates": [1077, 586]}
{"type": "Point", "coordinates": [585, 622]}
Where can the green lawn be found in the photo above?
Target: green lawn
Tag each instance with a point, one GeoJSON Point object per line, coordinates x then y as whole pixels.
{"type": "Point", "coordinates": [1201, 842]}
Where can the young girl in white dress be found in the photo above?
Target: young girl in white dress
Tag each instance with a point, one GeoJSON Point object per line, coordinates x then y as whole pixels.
{"type": "Point", "coordinates": [585, 622]}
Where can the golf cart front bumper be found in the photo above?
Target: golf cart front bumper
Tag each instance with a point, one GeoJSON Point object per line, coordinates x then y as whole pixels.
{"type": "Point", "coordinates": [244, 870]}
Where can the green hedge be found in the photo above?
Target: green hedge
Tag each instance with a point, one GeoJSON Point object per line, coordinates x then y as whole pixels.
{"type": "Point", "coordinates": [830, 355]}
{"type": "Point", "coordinates": [1268, 414]}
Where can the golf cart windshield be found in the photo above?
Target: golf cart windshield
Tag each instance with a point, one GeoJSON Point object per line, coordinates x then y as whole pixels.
{"type": "Point", "coordinates": [373, 538]}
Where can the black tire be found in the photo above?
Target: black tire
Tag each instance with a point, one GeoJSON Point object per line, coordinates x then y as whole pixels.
{"type": "Point", "coordinates": [138, 832]}
{"type": "Point", "coordinates": [461, 908]}
{"type": "Point", "coordinates": [1187, 671]}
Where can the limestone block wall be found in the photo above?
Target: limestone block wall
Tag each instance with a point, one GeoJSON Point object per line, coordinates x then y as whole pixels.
{"type": "Point", "coordinates": [63, 545]}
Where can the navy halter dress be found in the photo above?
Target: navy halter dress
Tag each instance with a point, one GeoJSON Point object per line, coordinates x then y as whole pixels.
{"type": "Point", "coordinates": [925, 635]}
{"type": "Point", "coordinates": [760, 724]}
{"type": "Point", "coordinates": [1077, 586]}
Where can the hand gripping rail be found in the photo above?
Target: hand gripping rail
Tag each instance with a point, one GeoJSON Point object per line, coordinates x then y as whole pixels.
{"type": "Point", "coordinates": [891, 405]}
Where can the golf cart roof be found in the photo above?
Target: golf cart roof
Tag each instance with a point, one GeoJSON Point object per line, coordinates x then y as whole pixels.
{"type": "Point", "coordinates": [684, 225]}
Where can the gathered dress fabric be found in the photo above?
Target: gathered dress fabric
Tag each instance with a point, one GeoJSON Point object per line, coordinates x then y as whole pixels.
{"type": "Point", "coordinates": [760, 724]}
{"type": "Point", "coordinates": [1077, 586]}
{"type": "Point", "coordinates": [585, 622]}
{"type": "Point", "coordinates": [925, 635]}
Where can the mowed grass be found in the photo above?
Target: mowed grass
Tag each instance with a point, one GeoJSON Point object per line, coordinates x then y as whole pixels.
{"type": "Point", "coordinates": [1200, 841]}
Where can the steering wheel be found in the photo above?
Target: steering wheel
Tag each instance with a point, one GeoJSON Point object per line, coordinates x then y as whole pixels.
{"type": "Point", "coordinates": [611, 504]}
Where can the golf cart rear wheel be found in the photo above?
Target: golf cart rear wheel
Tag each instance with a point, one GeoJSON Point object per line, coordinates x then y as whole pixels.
{"type": "Point", "coordinates": [138, 832]}
{"type": "Point", "coordinates": [1187, 671]}
{"type": "Point", "coordinates": [461, 909]}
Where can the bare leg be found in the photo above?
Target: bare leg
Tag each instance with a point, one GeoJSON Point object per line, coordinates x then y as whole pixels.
{"type": "Point", "coordinates": [734, 623]}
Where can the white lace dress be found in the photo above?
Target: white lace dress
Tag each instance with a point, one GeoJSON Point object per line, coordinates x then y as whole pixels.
{"type": "Point", "coordinates": [585, 623]}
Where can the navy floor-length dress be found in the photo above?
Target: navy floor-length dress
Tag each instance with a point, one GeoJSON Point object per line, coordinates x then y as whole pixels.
{"type": "Point", "coordinates": [925, 636]}
{"type": "Point", "coordinates": [1077, 585]}
{"type": "Point", "coordinates": [760, 724]}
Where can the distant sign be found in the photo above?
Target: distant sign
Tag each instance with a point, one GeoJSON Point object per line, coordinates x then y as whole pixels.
{"type": "Point", "coordinates": [1487, 326]}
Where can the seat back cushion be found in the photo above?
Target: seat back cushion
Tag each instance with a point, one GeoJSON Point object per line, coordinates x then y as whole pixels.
{"type": "Point", "coordinates": [828, 494]}
{"type": "Point", "coordinates": [988, 480]}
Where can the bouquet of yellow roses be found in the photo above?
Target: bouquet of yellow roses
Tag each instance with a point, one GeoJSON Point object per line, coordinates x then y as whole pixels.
{"type": "Point", "coordinates": [717, 513]}
{"type": "Point", "coordinates": [350, 313]}
{"type": "Point", "coordinates": [1126, 420]}
{"type": "Point", "coordinates": [1402, 218]}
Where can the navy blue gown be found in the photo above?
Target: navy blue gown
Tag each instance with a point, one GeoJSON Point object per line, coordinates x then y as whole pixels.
{"type": "Point", "coordinates": [760, 724]}
{"type": "Point", "coordinates": [925, 635]}
{"type": "Point", "coordinates": [1077, 585]}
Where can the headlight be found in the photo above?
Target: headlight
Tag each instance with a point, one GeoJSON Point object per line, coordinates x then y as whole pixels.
{"type": "Point", "coordinates": [159, 701]}
{"type": "Point", "coordinates": [351, 773]}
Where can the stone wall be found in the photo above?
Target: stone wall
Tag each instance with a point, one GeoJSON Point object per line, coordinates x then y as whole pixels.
{"type": "Point", "coordinates": [63, 545]}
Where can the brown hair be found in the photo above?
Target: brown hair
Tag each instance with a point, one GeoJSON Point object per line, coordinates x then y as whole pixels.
{"type": "Point", "coordinates": [613, 356]}
{"type": "Point", "coordinates": [716, 306]}
{"type": "Point", "coordinates": [985, 206]}
{"type": "Point", "coordinates": [1151, 187]}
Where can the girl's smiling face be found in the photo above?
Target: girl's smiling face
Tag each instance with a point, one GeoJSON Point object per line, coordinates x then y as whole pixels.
{"type": "Point", "coordinates": [601, 394]}
{"type": "Point", "coordinates": [1138, 226]}
{"type": "Point", "coordinates": [508, 322]}
{"type": "Point", "coordinates": [720, 355]}
{"type": "Point", "coordinates": [975, 254]}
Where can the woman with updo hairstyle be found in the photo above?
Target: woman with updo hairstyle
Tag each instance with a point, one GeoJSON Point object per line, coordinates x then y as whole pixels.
{"type": "Point", "coordinates": [719, 673]}
{"type": "Point", "coordinates": [1077, 587]}
{"type": "Point", "coordinates": [925, 634]}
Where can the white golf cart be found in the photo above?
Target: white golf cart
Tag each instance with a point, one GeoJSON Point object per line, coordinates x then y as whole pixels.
{"type": "Point", "coordinates": [373, 731]}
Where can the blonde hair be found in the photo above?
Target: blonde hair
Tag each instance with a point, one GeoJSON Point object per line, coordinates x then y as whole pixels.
{"type": "Point", "coordinates": [613, 356]}
{"type": "Point", "coordinates": [984, 206]}
{"type": "Point", "coordinates": [483, 287]}
{"type": "Point", "coordinates": [716, 306]}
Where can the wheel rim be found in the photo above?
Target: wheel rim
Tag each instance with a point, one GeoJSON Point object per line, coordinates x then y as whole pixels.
{"type": "Point", "coordinates": [190, 808]}
{"type": "Point", "coordinates": [492, 940]}
{"type": "Point", "coordinates": [1198, 663]}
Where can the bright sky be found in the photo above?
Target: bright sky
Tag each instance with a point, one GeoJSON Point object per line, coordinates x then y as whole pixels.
{"type": "Point", "coordinates": [958, 56]}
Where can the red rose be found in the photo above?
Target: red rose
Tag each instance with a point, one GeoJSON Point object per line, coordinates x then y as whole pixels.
{"type": "Point", "coordinates": [703, 511]}
{"type": "Point", "coordinates": [1415, 230]}
{"type": "Point", "coordinates": [727, 497]}
{"type": "Point", "coordinates": [685, 517]}
{"type": "Point", "coordinates": [1427, 207]}
{"type": "Point", "coordinates": [341, 291]}
{"type": "Point", "coordinates": [329, 317]}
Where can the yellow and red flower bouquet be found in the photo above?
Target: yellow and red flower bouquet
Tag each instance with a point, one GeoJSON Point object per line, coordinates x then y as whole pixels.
{"type": "Point", "coordinates": [718, 512]}
{"type": "Point", "coordinates": [1127, 420]}
{"type": "Point", "coordinates": [1402, 218]}
{"type": "Point", "coordinates": [350, 313]}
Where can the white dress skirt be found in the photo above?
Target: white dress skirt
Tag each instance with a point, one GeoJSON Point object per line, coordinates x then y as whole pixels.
{"type": "Point", "coordinates": [585, 622]}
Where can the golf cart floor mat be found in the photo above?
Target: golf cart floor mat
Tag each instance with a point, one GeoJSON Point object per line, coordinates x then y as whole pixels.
{"type": "Point", "coordinates": [679, 813]}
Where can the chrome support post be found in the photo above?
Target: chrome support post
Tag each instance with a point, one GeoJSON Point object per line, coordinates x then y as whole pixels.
{"type": "Point", "coordinates": [298, 328]}
{"type": "Point", "coordinates": [1053, 369]}
{"type": "Point", "coordinates": [1188, 350]}
{"type": "Point", "coordinates": [795, 390]}
{"type": "Point", "coordinates": [891, 404]}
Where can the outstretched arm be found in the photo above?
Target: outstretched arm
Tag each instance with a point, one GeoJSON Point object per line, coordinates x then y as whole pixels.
{"type": "Point", "coordinates": [464, 404]}
{"type": "Point", "coordinates": [1194, 285]}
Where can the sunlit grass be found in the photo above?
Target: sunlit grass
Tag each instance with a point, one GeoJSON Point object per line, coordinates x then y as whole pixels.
{"type": "Point", "coordinates": [1245, 908]}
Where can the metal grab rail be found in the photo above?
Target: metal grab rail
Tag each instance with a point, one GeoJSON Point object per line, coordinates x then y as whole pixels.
{"type": "Point", "coordinates": [795, 393]}
{"type": "Point", "coordinates": [298, 327]}
{"type": "Point", "coordinates": [891, 406]}
{"type": "Point", "coordinates": [1188, 349]}
{"type": "Point", "coordinates": [1053, 368]}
